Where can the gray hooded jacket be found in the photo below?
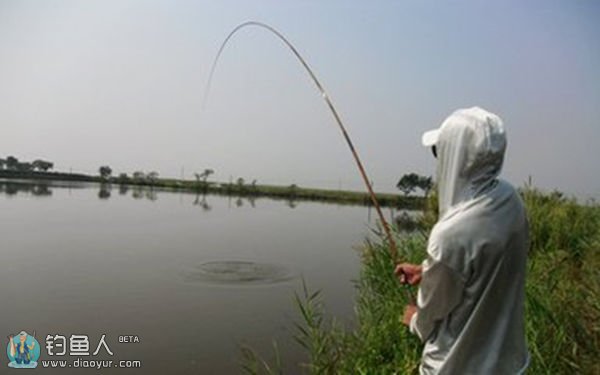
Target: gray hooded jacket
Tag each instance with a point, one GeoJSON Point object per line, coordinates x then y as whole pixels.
{"type": "Point", "coordinates": [470, 306]}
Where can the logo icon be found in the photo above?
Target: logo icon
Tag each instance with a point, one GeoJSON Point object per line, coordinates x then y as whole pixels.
{"type": "Point", "coordinates": [23, 350]}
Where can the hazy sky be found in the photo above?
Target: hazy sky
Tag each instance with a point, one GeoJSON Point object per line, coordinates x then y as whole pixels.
{"type": "Point", "coordinates": [86, 83]}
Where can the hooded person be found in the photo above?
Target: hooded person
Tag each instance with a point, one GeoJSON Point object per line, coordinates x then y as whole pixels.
{"type": "Point", "coordinates": [470, 304]}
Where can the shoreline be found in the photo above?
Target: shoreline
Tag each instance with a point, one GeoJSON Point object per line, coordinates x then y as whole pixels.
{"type": "Point", "coordinates": [291, 192]}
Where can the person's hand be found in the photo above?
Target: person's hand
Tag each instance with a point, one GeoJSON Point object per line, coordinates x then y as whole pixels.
{"type": "Point", "coordinates": [409, 273]}
{"type": "Point", "coordinates": [409, 311]}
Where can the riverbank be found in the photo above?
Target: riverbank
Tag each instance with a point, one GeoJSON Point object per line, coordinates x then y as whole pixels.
{"type": "Point", "coordinates": [291, 192]}
{"type": "Point", "coordinates": [562, 301]}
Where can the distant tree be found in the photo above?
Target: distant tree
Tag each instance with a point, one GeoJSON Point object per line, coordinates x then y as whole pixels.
{"type": "Point", "coordinates": [2, 163]}
{"type": "Point", "coordinates": [204, 175]}
{"type": "Point", "coordinates": [139, 176]}
{"type": "Point", "coordinates": [11, 162]}
{"type": "Point", "coordinates": [425, 184]}
{"type": "Point", "coordinates": [123, 178]}
{"type": "Point", "coordinates": [24, 167]}
{"type": "Point", "coordinates": [408, 183]}
{"type": "Point", "coordinates": [152, 177]}
{"type": "Point", "coordinates": [293, 190]}
{"type": "Point", "coordinates": [105, 171]}
{"type": "Point", "coordinates": [42, 165]}
{"type": "Point", "coordinates": [241, 182]}
{"type": "Point", "coordinates": [47, 166]}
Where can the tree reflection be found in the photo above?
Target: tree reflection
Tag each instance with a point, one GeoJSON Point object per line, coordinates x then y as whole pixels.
{"type": "Point", "coordinates": [141, 192]}
{"type": "Point", "coordinates": [38, 189]}
{"type": "Point", "coordinates": [239, 202]}
{"type": "Point", "coordinates": [408, 221]}
{"type": "Point", "coordinates": [292, 203]}
{"type": "Point", "coordinates": [104, 192]}
{"type": "Point", "coordinates": [202, 202]}
{"type": "Point", "coordinates": [151, 194]}
{"type": "Point", "coordinates": [123, 189]}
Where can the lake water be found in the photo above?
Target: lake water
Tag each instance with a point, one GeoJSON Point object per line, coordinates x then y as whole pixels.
{"type": "Point", "coordinates": [192, 277]}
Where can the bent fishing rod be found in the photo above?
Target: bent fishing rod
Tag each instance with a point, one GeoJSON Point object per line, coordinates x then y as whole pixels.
{"type": "Point", "coordinates": [336, 116]}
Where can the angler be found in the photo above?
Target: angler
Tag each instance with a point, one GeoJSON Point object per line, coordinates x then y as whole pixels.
{"type": "Point", "coordinates": [470, 305]}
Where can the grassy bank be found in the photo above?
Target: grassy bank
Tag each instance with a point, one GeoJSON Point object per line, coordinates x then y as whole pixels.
{"type": "Point", "coordinates": [291, 192]}
{"type": "Point", "coordinates": [562, 306]}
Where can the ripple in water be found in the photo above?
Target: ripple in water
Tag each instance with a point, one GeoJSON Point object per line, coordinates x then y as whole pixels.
{"type": "Point", "coordinates": [238, 272]}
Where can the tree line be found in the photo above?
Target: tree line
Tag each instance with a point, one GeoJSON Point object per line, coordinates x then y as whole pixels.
{"type": "Point", "coordinates": [11, 163]}
{"type": "Point", "coordinates": [105, 173]}
{"type": "Point", "coordinates": [408, 183]}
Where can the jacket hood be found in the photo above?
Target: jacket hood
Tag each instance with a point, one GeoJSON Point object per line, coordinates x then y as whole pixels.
{"type": "Point", "coordinates": [470, 150]}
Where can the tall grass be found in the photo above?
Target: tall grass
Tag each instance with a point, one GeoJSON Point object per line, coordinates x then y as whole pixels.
{"type": "Point", "coordinates": [563, 284]}
{"type": "Point", "coordinates": [562, 305]}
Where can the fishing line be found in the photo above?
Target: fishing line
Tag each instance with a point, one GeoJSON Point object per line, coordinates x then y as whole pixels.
{"type": "Point", "coordinates": [338, 120]}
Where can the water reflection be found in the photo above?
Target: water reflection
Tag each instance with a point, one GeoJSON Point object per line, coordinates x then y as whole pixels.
{"type": "Point", "coordinates": [292, 203]}
{"type": "Point", "coordinates": [123, 189]}
{"type": "Point", "coordinates": [202, 202]}
{"type": "Point", "coordinates": [171, 273]}
{"type": "Point", "coordinates": [151, 194]}
{"type": "Point", "coordinates": [403, 220]}
{"type": "Point", "coordinates": [408, 221]}
{"type": "Point", "coordinates": [141, 192]}
{"type": "Point", "coordinates": [252, 201]}
{"type": "Point", "coordinates": [201, 199]}
{"type": "Point", "coordinates": [104, 192]}
{"type": "Point", "coordinates": [38, 189]}
{"type": "Point", "coordinates": [108, 259]}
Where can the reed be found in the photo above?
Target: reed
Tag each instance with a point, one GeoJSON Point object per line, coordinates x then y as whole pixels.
{"type": "Point", "coordinates": [562, 300]}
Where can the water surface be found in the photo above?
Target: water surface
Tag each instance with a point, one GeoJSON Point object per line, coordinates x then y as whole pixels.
{"type": "Point", "coordinates": [193, 276]}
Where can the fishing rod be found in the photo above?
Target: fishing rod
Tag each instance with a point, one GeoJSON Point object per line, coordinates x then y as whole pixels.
{"type": "Point", "coordinates": [338, 120]}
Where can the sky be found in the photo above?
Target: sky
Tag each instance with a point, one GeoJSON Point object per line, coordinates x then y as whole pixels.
{"type": "Point", "coordinates": [121, 83]}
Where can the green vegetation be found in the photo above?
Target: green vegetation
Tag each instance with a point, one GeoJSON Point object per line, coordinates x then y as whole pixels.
{"type": "Point", "coordinates": [105, 171]}
{"type": "Point", "coordinates": [11, 168]}
{"type": "Point", "coordinates": [202, 177]}
{"type": "Point", "coordinates": [563, 285]}
{"type": "Point", "coordinates": [412, 181]}
{"type": "Point", "coordinates": [562, 306]}
{"type": "Point", "coordinates": [11, 163]}
{"type": "Point", "coordinates": [239, 188]}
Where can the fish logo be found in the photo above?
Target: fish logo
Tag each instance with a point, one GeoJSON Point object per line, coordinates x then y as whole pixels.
{"type": "Point", "coordinates": [23, 350]}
